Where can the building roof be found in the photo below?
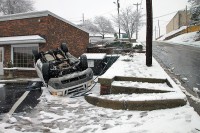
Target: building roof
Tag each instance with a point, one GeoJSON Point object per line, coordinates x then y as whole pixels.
{"type": "Point", "coordinates": [21, 39]}
{"type": "Point", "coordinates": [36, 14]}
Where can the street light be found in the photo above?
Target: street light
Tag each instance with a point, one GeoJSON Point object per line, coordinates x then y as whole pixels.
{"type": "Point", "coordinates": [118, 6]}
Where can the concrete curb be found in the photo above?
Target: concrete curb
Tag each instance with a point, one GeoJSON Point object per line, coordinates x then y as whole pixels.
{"type": "Point", "coordinates": [14, 82]}
{"type": "Point", "coordinates": [135, 105]}
{"type": "Point", "coordinates": [18, 81]}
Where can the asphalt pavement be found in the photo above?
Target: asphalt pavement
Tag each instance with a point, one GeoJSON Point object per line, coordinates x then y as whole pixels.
{"type": "Point", "coordinates": [9, 94]}
{"type": "Point", "coordinates": [183, 63]}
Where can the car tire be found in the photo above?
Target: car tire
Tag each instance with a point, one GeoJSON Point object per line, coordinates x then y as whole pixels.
{"type": "Point", "coordinates": [45, 72]}
{"type": "Point", "coordinates": [83, 62]}
{"type": "Point", "coordinates": [64, 47]}
{"type": "Point", "coordinates": [36, 54]}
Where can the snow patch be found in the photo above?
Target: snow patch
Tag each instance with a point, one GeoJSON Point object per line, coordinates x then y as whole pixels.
{"type": "Point", "coordinates": [172, 33]}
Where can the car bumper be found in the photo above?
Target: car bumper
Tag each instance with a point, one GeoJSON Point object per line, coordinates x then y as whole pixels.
{"type": "Point", "coordinates": [71, 83]}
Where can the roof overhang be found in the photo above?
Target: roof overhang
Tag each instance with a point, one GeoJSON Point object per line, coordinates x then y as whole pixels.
{"type": "Point", "coordinates": [36, 14]}
{"type": "Point", "coordinates": [22, 40]}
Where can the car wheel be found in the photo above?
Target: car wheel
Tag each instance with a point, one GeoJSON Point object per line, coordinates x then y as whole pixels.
{"type": "Point", "coordinates": [36, 54]}
{"type": "Point", "coordinates": [45, 72]}
{"type": "Point", "coordinates": [83, 62]}
{"type": "Point", "coordinates": [64, 48]}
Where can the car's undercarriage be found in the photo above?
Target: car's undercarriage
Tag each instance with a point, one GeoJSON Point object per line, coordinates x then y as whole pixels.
{"type": "Point", "coordinates": [60, 70]}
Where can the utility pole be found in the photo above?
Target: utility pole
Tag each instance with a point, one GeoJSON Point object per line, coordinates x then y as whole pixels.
{"type": "Point", "coordinates": [118, 6]}
{"type": "Point", "coordinates": [155, 32]}
{"type": "Point", "coordinates": [149, 33]}
{"type": "Point", "coordinates": [186, 19]}
{"type": "Point", "coordinates": [137, 23]}
{"type": "Point", "coordinates": [158, 28]}
{"type": "Point", "coordinates": [83, 19]}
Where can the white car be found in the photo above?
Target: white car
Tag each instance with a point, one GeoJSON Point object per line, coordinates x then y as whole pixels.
{"type": "Point", "coordinates": [61, 72]}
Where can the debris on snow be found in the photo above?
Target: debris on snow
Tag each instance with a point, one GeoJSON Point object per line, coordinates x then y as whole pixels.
{"type": "Point", "coordinates": [184, 79]}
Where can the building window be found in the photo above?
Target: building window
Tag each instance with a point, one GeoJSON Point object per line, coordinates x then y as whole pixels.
{"type": "Point", "coordinates": [22, 55]}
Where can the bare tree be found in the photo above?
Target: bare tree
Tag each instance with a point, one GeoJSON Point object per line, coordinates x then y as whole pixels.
{"type": "Point", "coordinates": [15, 6]}
{"type": "Point", "coordinates": [89, 26]}
{"type": "Point", "coordinates": [104, 25]}
{"type": "Point", "coordinates": [129, 20]}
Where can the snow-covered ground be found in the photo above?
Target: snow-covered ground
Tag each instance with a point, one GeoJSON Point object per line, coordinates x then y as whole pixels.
{"type": "Point", "coordinates": [171, 33]}
{"type": "Point", "coordinates": [184, 39]}
{"type": "Point", "coordinates": [75, 115]}
{"type": "Point", "coordinates": [56, 114]}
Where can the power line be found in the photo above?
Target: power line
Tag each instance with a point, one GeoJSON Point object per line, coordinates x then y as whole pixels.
{"type": "Point", "coordinates": [165, 14]}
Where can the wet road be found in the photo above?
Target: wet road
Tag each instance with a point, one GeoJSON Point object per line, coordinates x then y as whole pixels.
{"type": "Point", "coordinates": [183, 61]}
{"type": "Point", "coordinates": [9, 94]}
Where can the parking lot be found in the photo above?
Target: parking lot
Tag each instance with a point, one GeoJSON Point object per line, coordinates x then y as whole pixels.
{"type": "Point", "coordinates": [10, 93]}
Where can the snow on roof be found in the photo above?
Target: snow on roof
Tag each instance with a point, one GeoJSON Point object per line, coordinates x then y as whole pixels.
{"type": "Point", "coordinates": [95, 56]}
{"type": "Point", "coordinates": [22, 39]}
{"type": "Point", "coordinates": [34, 15]}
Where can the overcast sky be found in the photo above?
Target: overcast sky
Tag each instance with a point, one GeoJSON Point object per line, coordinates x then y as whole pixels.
{"type": "Point", "coordinates": [73, 10]}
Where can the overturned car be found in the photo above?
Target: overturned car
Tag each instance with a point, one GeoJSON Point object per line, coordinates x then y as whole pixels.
{"type": "Point", "coordinates": [61, 72]}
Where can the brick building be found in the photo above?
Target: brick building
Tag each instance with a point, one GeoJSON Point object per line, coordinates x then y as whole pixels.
{"type": "Point", "coordinates": [20, 33]}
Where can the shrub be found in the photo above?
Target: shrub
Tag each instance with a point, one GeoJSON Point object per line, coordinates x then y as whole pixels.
{"type": "Point", "coordinates": [138, 47]}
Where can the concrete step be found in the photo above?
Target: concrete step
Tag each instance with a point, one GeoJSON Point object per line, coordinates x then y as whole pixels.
{"type": "Point", "coordinates": [138, 101]}
{"type": "Point", "coordinates": [130, 87]}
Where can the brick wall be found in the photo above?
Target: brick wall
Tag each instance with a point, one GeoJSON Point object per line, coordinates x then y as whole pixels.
{"type": "Point", "coordinates": [59, 32]}
{"type": "Point", "coordinates": [7, 54]}
{"type": "Point", "coordinates": [55, 32]}
{"type": "Point", "coordinates": [22, 74]}
{"type": "Point", "coordinates": [23, 27]}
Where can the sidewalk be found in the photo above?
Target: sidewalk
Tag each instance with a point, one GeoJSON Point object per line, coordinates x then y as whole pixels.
{"type": "Point", "coordinates": [130, 84]}
{"type": "Point", "coordinates": [76, 115]}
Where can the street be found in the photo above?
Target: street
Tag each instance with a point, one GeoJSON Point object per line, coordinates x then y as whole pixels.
{"type": "Point", "coordinates": [183, 61]}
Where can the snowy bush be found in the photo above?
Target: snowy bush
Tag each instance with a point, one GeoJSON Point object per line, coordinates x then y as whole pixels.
{"type": "Point", "coordinates": [195, 14]}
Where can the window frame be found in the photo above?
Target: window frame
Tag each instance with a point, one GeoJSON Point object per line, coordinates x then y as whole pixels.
{"type": "Point", "coordinates": [22, 45]}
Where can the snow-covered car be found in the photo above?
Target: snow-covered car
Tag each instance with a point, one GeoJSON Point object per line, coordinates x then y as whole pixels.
{"type": "Point", "coordinates": [61, 72]}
